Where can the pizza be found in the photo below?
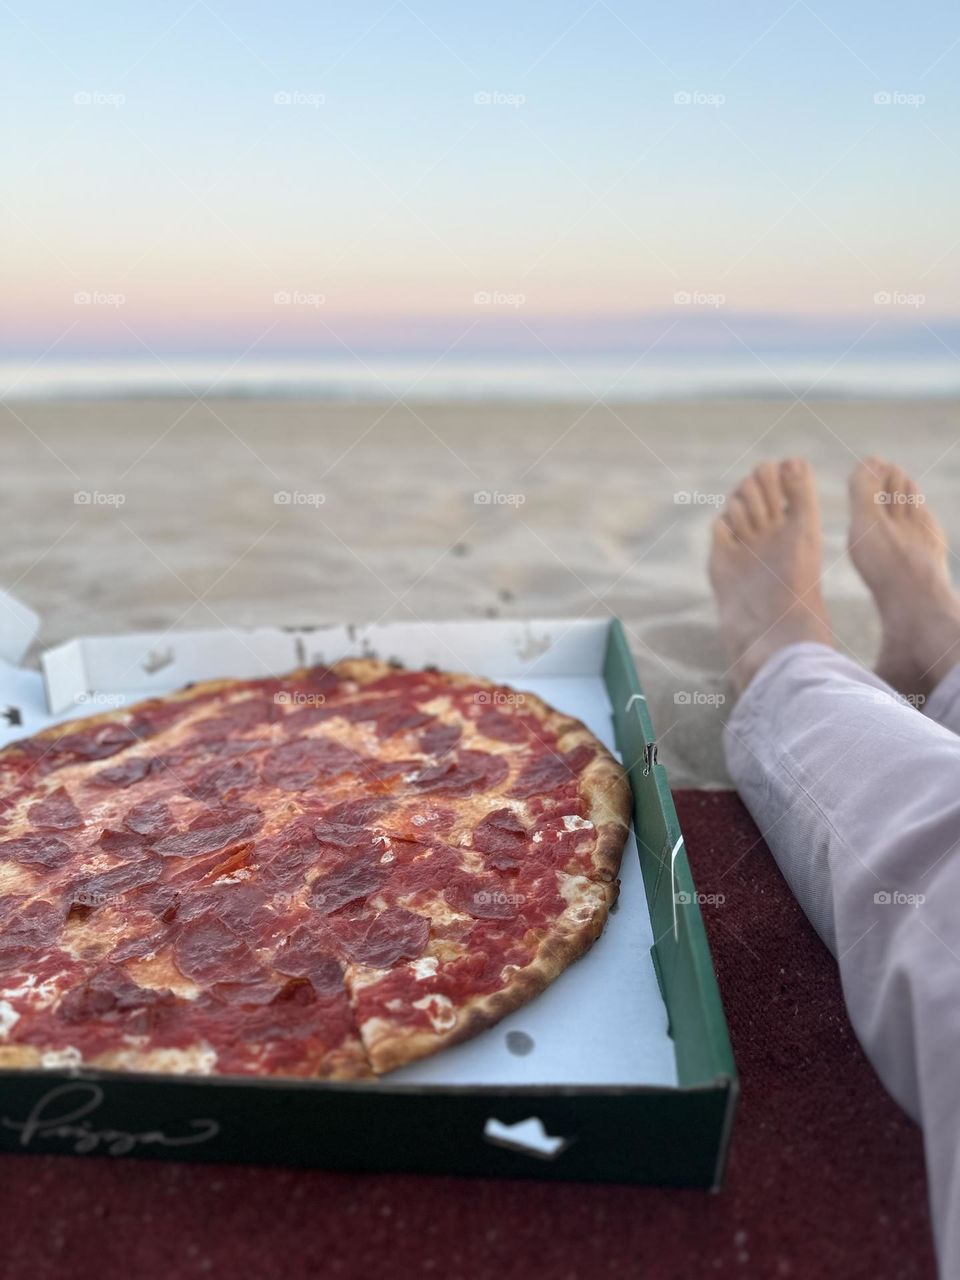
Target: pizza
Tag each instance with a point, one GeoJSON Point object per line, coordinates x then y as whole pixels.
{"type": "Point", "coordinates": [326, 875]}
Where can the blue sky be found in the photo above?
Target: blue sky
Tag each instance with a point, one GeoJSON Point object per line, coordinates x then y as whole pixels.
{"type": "Point", "coordinates": [148, 158]}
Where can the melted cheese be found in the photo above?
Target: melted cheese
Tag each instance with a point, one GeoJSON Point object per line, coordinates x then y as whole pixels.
{"type": "Point", "coordinates": [440, 1011]}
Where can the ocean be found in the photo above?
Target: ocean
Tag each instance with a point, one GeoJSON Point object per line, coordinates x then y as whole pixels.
{"type": "Point", "coordinates": [615, 378]}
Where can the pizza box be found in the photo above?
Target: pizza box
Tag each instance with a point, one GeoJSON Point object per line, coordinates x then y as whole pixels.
{"type": "Point", "coordinates": [621, 1071]}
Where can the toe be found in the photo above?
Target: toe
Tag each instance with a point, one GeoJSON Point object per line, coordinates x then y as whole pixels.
{"type": "Point", "coordinates": [870, 485]}
{"type": "Point", "coordinates": [799, 487]}
{"type": "Point", "coordinates": [738, 518]}
{"type": "Point", "coordinates": [917, 514]}
{"type": "Point", "coordinates": [751, 494]}
{"type": "Point", "coordinates": [722, 532]}
{"type": "Point", "coordinates": [914, 498]}
{"type": "Point", "coordinates": [898, 483]}
{"type": "Point", "coordinates": [867, 477]}
{"type": "Point", "coordinates": [767, 476]}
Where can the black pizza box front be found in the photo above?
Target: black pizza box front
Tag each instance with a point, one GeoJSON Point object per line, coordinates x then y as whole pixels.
{"type": "Point", "coordinates": [620, 1071]}
{"type": "Point", "coordinates": [639, 1135]}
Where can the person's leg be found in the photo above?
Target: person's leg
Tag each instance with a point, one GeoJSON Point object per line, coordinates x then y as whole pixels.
{"type": "Point", "coordinates": [901, 553]}
{"type": "Point", "coordinates": [858, 798]}
{"type": "Point", "coordinates": [943, 705]}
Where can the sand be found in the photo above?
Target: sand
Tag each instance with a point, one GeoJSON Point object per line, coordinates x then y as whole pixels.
{"type": "Point", "coordinates": [583, 520]}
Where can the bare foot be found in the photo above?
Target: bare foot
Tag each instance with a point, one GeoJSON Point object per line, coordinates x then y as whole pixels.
{"type": "Point", "coordinates": [900, 552]}
{"type": "Point", "coordinates": [765, 566]}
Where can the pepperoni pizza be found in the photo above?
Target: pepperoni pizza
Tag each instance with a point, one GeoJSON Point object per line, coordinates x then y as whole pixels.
{"type": "Point", "coordinates": [325, 875]}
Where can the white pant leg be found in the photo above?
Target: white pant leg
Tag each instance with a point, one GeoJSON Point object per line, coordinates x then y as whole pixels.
{"type": "Point", "coordinates": [943, 705]}
{"type": "Point", "coordinates": [858, 798]}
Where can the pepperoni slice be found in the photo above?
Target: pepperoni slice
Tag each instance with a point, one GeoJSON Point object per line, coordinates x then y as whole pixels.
{"type": "Point", "coordinates": [301, 955]}
{"type": "Point", "coordinates": [207, 950]}
{"type": "Point", "coordinates": [209, 836]}
{"type": "Point", "coordinates": [128, 771]}
{"type": "Point", "coordinates": [239, 717]}
{"type": "Point", "coordinates": [91, 1000]}
{"type": "Point", "coordinates": [551, 772]}
{"type": "Point", "coordinates": [466, 773]}
{"type": "Point", "coordinates": [314, 687]}
{"type": "Point", "coordinates": [347, 835]}
{"type": "Point", "coordinates": [503, 838]}
{"type": "Point", "coordinates": [402, 720]}
{"type": "Point", "coordinates": [36, 850]}
{"type": "Point", "coordinates": [286, 856]}
{"type": "Point", "coordinates": [161, 900]}
{"type": "Point", "coordinates": [97, 743]}
{"type": "Point", "coordinates": [439, 738]}
{"type": "Point", "coordinates": [419, 824]}
{"type": "Point", "coordinates": [485, 897]}
{"type": "Point", "coordinates": [237, 860]}
{"type": "Point", "coordinates": [580, 757]}
{"type": "Point", "coordinates": [94, 891]}
{"type": "Point", "coordinates": [261, 991]}
{"type": "Point", "coordinates": [11, 903]}
{"type": "Point", "coordinates": [502, 726]}
{"type": "Point", "coordinates": [239, 747]}
{"type": "Point", "coordinates": [366, 709]}
{"type": "Point", "coordinates": [386, 771]}
{"type": "Point", "coordinates": [241, 906]}
{"type": "Point", "coordinates": [500, 832]}
{"type": "Point", "coordinates": [10, 800]}
{"type": "Point", "coordinates": [219, 780]}
{"type": "Point", "coordinates": [151, 818]}
{"type": "Point", "coordinates": [413, 685]}
{"type": "Point", "coordinates": [182, 760]}
{"type": "Point", "coordinates": [326, 977]}
{"type": "Point", "coordinates": [295, 765]}
{"type": "Point", "coordinates": [356, 813]}
{"type": "Point", "coordinates": [381, 939]}
{"type": "Point", "coordinates": [299, 952]}
{"type": "Point", "coordinates": [157, 714]}
{"type": "Point", "coordinates": [29, 934]}
{"type": "Point", "coordinates": [304, 717]}
{"type": "Point", "coordinates": [120, 841]}
{"type": "Point", "coordinates": [137, 948]}
{"type": "Point", "coordinates": [348, 883]}
{"type": "Point", "coordinates": [109, 994]}
{"type": "Point", "coordinates": [319, 679]}
{"type": "Point", "coordinates": [431, 868]}
{"type": "Point", "coordinates": [56, 811]}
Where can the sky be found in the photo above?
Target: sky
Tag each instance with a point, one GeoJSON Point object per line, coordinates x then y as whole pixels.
{"type": "Point", "coordinates": [206, 176]}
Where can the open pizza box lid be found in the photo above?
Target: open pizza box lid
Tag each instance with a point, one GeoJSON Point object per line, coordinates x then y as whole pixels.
{"type": "Point", "coordinates": [603, 1025]}
{"type": "Point", "coordinates": [18, 627]}
{"type": "Point", "coordinates": [143, 663]}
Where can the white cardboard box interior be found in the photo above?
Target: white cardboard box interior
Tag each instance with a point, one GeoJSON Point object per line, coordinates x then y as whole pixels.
{"type": "Point", "coordinates": [603, 1022]}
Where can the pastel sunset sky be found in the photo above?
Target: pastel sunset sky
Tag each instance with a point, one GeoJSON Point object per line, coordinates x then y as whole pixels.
{"type": "Point", "coordinates": [300, 176]}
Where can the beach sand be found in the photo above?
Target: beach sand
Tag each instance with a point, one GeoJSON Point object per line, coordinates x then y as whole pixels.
{"type": "Point", "coordinates": [584, 519]}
